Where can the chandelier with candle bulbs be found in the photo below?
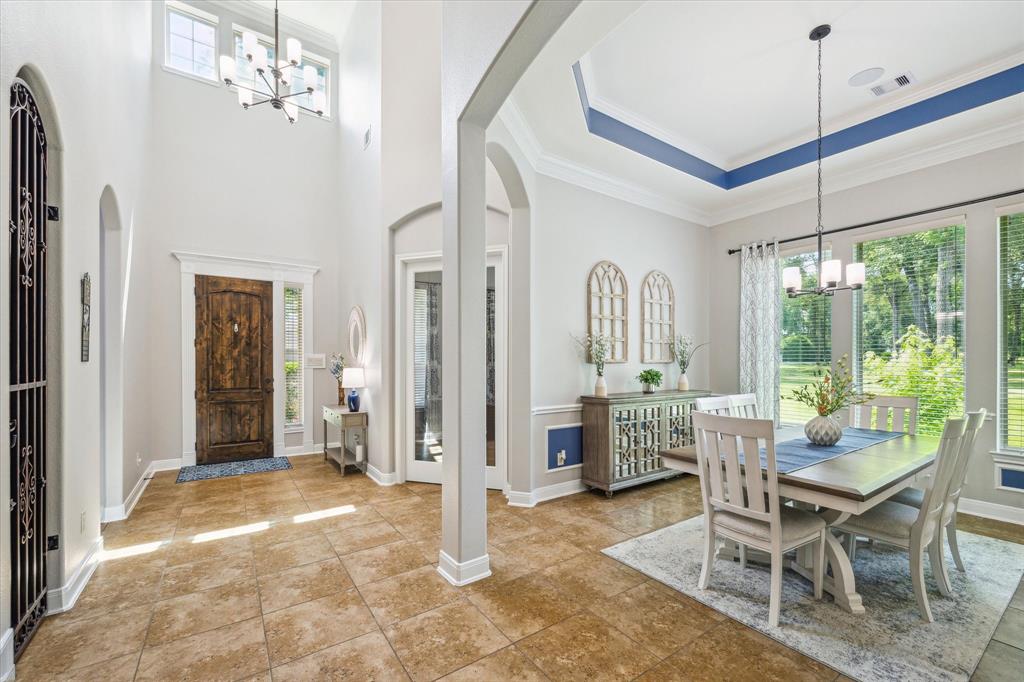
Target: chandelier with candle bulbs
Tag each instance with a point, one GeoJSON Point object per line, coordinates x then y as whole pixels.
{"type": "Point", "coordinates": [281, 73]}
{"type": "Point", "coordinates": [829, 271]}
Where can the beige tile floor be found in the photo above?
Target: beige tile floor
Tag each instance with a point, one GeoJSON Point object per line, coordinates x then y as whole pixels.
{"type": "Point", "coordinates": [303, 575]}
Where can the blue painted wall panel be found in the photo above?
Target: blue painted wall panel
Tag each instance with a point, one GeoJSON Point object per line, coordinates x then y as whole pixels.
{"type": "Point", "coordinates": [568, 438]}
{"type": "Point", "coordinates": [1012, 478]}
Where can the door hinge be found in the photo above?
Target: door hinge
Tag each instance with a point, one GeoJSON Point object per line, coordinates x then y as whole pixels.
{"type": "Point", "coordinates": [53, 213]}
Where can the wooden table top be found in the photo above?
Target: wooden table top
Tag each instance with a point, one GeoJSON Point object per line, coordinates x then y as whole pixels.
{"type": "Point", "coordinates": [859, 475]}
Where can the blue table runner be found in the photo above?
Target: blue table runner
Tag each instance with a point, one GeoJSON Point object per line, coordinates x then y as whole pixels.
{"type": "Point", "coordinates": [798, 453]}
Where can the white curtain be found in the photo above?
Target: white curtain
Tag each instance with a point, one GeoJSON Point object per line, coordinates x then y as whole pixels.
{"type": "Point", "coordinates": [760, 326]}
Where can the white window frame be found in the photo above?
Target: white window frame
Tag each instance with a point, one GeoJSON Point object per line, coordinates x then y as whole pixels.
{"type": "Point", "coordinates": [307, 378]}
{"type": "Point", "coordinates": [197, 14]}
{"type": "Point", "coordinates": [1001, 448]}
{"type": "Point", "coordinates": [238, 29]}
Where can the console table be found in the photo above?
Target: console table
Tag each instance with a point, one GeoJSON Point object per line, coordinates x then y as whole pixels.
{"type": "Point", "coordinates": [624, 434]}
{"type": "Point", "coordinates": [341, 417]}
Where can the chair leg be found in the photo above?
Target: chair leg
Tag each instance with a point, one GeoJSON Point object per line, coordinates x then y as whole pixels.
{"type": "Point", "coordinates": [851, 546]}
{"type": "Point", "coordinates": [775, 592]}
{"type": "Point", "coordinates": [938, 564]}
{"type": "Point", "coordinates": [917, 576]}
{"type": "Point", "coordinates": [743, 556]}
{"type": "Point", "coordinates": [819, 565]}
{"type": "Point", "coordinates": [709, 557]}
{"type": "Point", "coordinates": [953, 547]}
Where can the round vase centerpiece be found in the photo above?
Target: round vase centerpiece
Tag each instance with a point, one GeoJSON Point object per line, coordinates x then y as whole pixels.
{"type": "Point", "coordinates": [823, 430]}
{"type": "Point", "coordinates": [648, 388]}
{"type": "Point", "coordinates": [684, 383]}
{"type": "Point", "coordinates": [600, 387]}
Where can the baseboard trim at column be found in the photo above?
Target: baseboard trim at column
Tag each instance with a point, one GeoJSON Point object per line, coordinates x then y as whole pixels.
{"type": "Point", "coordinates": [465, 573]}
{"type": "Point", "coordinates": [7, 656]}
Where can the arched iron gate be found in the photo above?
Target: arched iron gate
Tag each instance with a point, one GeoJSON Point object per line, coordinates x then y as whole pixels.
{"type": "Point", "coordinates": [27, 366]}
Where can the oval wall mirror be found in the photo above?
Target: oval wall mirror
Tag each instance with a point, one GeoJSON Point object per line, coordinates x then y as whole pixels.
{"type": "Point", "coordinates": [356, 336]}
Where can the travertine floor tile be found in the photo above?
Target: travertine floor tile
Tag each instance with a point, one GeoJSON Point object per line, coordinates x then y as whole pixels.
{"type": "Point", "coordinates": [304, 628]}
{"type": "Point", "coordinates": [120, 669]}
{"type": "Point", "coordinates": [203, 575]}
{"type": "Point", "coordinates": [285, 555]}
{"type": "Point", "coordinates": [201, 611]}
{"type": "Point", "coordinates": [523, 606]}
{"type": "Point", "coordinates": [364, 658]}
{"type": "Point", "coordinates": [382, 562]}
{"type": "Point", "coordinates": [443, 640]}
{"type": "Point", "coordinates": [363, 537]}
{"type": "Point", "coordinates": [228, 653]}
{"type": "Point", "coordinates": [407, 594]}
{"type": "Point", "coordinates": [507, 664]}
{"type": "Point", "coordinates": [61, 646]}
{"type": "Point", "coordinates": [303, 583]}
{"type": "Point", "coordinates": [589, 577]}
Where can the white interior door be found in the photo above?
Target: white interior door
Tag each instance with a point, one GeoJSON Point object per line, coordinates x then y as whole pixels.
{"type": "Point", "coordinates": [422, 343]}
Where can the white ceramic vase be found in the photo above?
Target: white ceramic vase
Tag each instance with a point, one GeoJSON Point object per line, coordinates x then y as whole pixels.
{"type": "Point", "coordinates": [823, 430]}
{"type": "Point", "coordinates": [600, 388]}
{"type": "Point", "coordinates": [683, 384]}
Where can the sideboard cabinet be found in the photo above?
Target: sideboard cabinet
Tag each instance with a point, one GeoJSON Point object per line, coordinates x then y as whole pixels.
{"type": "Point", "coordinates": [624, 434]}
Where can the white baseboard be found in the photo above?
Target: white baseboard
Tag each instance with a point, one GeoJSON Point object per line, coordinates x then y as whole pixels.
{"type": "Point", "coordinates": [991, 510]}
{"type": "Point", "coordinates": [109, 514]}
{"type": "Point", "coordinates": [7, 655]}
{"type": "Point", "coordinates": [169, 464]}
{"type": "Point", "coordinates": [379, 477]}
{"type": "Point", "coordinates": [61, 599]}
{"type": "Point", "coordinates": [304, 449]}
{"type": "Point", "coordinates": [465, 573]}
{"type": "Point", "coordinates": [544, 493]}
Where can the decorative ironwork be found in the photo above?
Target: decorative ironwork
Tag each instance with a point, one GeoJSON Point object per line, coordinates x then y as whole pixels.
{"type": "Point", "coordinates": [27, 363]}
{"type": "Point", "coordinates": [679, 428]}
{"type": "Point", "coordinates": [637, 440]}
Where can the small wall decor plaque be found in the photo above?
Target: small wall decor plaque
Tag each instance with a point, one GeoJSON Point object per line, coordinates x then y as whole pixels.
{"type": "Point", "coordinates": [86, 315]}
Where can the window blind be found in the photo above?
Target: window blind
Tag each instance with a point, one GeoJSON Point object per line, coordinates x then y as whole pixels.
{"type": "Point", "coordinates": [293, 355]}
{"type": "Point", "coordinates": [419, 346]}
{"type": "Point", "coordinates": [908, 321]}
{"type": "Point", "coordinates": [1011, 337]}
{"type": "Point", "coordinates": [806, 338]}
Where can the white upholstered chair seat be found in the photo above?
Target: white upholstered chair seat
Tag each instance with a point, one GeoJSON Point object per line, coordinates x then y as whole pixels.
{"type": "Point", "coordinates": [796, 524]}
{"type": "Point", "coordinates": [888, 519]}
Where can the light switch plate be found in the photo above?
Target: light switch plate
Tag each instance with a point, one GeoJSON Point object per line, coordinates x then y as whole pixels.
{"type": "Point", "coordinates": [316, 361]}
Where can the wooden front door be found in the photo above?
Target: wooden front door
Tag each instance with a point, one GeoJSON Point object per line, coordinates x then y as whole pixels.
{"type": "Point", "coordinates": [234, 369]}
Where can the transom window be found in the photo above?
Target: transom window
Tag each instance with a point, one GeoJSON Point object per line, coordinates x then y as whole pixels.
{"type": "Point", "coordinates": [1011, 332]}
{"type": "Point", "coordinates": [191, 41]}
{"type": "Point", "coordinates": [908, 321]}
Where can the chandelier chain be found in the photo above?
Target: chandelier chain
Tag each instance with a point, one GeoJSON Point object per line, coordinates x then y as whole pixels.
{"type": "Point", "coordinates": [819, 138]}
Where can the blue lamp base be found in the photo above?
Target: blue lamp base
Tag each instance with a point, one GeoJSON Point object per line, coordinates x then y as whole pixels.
{"type": "Point", "coordinates": [353, 401]}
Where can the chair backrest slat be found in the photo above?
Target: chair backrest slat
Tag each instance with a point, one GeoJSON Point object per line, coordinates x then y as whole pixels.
{"type": "Point", "coordinates": [902, 408]}
{"type": "Point", "coordinates": [727, 483]}
{"type": "Point", "coordinates": [930, 516]}
{"type": "Point", "coordinates": [738, 405]}
{"type": "Point", "coordinates": [975, 420]}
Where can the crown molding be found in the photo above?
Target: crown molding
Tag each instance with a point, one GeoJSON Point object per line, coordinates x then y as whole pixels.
{"type": "Point", "coordinates": [987, 140]}
{"type": "Point", "coordinates": [291, 27]}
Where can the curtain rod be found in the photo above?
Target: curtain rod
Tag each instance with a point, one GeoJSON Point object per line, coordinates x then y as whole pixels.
{"type": "Point", "coordinates": [991, 197]}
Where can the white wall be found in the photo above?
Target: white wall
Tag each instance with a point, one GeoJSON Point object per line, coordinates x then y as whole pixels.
{"type": "Point", "coordinates": [985, 174]}
{"type": "Point", "coordinates": [94, 61]}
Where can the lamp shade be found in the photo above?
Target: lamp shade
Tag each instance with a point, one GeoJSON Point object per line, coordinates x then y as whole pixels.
{"type": "Point", "coordinates": [353, 377]}
{"type": "Point", "coordinates": [831, 272]}
{"type": "Point", "coordinates": [259, 59]}
{"type": "Point", "coordinates": [227, 68]}
{"type": "Point", "coordinates": [249, 44]}
{"type": "Point", "coordinates": [294, 50]}
{"type": "Point", "coordinates": [309, 77]}
{"type": "Point", "coordinates": [855, 275]}
{"type": "Point", "coordinates": [244, 96]}
{"type": "Point", "coordinates": [791, 278]}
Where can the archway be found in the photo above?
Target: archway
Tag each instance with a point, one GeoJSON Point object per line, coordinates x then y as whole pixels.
{"type": "Point", "coordinates": [109, 324]}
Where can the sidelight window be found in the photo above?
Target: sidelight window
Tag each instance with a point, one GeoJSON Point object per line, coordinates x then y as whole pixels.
{"type": "Point", "coordinates": [293, 357]}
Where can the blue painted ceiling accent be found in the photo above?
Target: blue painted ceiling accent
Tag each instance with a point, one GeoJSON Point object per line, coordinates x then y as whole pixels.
{"type": "Point", "coordinates": [983, 91]}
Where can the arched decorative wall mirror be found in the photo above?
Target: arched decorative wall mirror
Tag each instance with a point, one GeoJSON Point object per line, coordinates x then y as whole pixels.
{"type": "Point", "coordinates": [356, 336]}
{"type": "Point", "coordinates": [657, 318]}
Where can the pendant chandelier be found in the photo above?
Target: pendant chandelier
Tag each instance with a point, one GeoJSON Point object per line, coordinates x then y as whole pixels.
{"type": "Point", "coordinates": [829, 271]}
{"type": "Point", "coordinates": [278, 93]}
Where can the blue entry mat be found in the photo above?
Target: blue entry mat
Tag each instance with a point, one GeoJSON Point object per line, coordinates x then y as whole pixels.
{"type": "Point", "coordinates": [798, 453]}
{"type": "Point", "coordinates": [204, 472]}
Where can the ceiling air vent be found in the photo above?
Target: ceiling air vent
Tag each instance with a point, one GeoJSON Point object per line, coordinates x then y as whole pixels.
{"type": "Point", "coordinates": [901, 81]}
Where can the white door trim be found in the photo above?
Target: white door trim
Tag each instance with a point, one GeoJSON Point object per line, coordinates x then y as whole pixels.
{"type": "Point", "coordinates": [277, 272]}
{"type": "Point", "coordinates": [405, 266]}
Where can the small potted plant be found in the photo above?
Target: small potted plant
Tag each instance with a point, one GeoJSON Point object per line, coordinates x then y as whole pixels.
{"type": "Point", "coordinates": [683, 350]}
{"type": "Point", "coordinates": [595, 349]}
{"type": "Point", "coordinates": [650, 378]}
{"type": "Point", "coordinates": [337, 368]}
{"type": "Point", "coordinates": [827, 395]}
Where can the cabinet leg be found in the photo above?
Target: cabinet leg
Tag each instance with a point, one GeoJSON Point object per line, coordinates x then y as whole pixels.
{"type": "Point", "coordinates": [608, 494]}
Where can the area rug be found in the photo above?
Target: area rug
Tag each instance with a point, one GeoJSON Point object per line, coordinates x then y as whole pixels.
{"type": "Point", "coordinates": [204, 472]}
{"type": "Point", "coordinates": [889, 641]}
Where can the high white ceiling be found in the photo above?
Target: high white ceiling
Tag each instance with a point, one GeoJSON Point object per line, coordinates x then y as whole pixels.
{"type": "Point", "coordinates": [735, 82]}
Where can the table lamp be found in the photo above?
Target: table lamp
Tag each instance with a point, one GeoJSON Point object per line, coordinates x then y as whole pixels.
{"type": "Point", "coordinates": [353, 378]}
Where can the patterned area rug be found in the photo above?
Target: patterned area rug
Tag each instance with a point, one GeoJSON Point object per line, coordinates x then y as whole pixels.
{"type": "Point", "coordinates": [203, 472]}
{"type": "Point", "coordinates": [889, 641]}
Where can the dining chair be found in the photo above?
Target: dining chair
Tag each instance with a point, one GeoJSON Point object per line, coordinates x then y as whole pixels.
{"type": "Point", "coordinates": [904, 413]}
{"type": "Point", "coordinates": [914, 497]}
{"type": "Point", "coordinates": [742, 503]}
{"type": "Point", "coordinates": [916, 530]}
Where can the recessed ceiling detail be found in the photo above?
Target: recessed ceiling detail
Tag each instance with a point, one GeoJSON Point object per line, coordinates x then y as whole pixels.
{"type": "Point", "coordinates": [957, 100]}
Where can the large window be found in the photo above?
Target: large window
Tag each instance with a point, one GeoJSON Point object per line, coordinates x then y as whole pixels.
{"type": "Point", "coordinates": [806, 338]}
{"type": "Point", "coordinates": [293, 356]}
{"type": "Point", "coordinates": [1011, 326]}
{"type": "Point", "coordinates": [908, 321]}
{"type": "Point", "coordinates": [191, 41]}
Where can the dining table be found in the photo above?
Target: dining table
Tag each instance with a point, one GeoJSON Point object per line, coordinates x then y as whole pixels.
{"type": "Point", "coordinates": [837, 488]}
